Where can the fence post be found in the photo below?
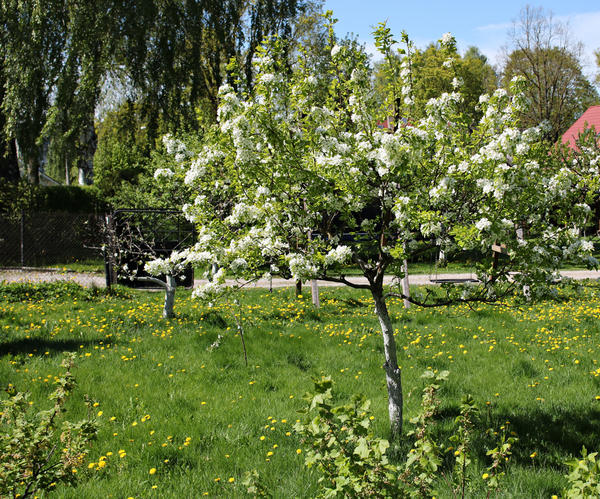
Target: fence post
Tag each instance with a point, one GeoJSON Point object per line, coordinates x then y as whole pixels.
{"type": "Point", "coordinates": [22, 236]}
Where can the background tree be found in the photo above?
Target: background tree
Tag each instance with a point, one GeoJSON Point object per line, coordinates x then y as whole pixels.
{"type": "Point", "coordinates": [9, 168]}
{"type": "Point", "coordinates": [171, 55]}
{"type": "Point", "coordinates": [91, 33]}
{"type": "Point", "coordinates": [430, 78]}
{"type": "Point", "coordinates": [33, 42]}
{"type": "Point", "coordinates": [546, 55]}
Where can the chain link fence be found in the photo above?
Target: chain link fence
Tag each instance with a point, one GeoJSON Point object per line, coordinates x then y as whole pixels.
{"type": "Point", "coordinates": [40, 239]}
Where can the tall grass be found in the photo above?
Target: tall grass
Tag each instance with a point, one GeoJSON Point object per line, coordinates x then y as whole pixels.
{"type": "Point", "coordinates": [182, 416]}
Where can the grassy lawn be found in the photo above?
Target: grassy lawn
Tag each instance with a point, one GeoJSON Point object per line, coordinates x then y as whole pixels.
{"type": "Point", "coordinates": [176, 396]}
{"type": "Point", "coordinates": [94, 265]}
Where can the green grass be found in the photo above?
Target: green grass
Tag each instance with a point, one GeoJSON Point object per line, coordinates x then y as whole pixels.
{"type": "Point", "coordinates": [176, 398]}
{"type": "Point", "coordinates": [93, 265]}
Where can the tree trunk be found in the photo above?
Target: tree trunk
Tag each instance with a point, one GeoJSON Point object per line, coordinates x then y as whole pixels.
{"type": "Point", "coordinates": [405, 284]}
{"type": "Point", "coordinates": [170, 286]}
{"type": "Point", "coordinates": [169, 297]}
{"type": "Point", "coordinates": [85, 162]}
{"type": "Point", "coordinates": [67, 172]}
{"type": "Point", "coordinates": [298, 288]}
{"type": "Point", "coordinates": [393, 375]}
{"type": "Point", "coordinates": [28, 165]}
{"type": "Point", "coordinates": [33, 171]}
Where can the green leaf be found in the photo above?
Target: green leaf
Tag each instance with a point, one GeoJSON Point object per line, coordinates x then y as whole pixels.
{"type": "Point", "coordinates": [362, 449]}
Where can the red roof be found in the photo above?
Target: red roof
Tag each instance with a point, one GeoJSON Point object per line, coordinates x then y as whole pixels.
{"type": "Point", "coordinates": [589, 119]}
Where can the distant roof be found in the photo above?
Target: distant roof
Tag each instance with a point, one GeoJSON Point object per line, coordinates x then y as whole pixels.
{"type": "Point", "coordinates": [589, 119]}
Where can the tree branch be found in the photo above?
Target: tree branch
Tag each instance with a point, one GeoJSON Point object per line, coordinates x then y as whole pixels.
{"type": "Point", "coordinates": [343, 280]}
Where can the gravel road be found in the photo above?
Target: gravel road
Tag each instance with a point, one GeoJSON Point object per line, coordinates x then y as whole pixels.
{"type": "Point", "coordinates": [98, 280]}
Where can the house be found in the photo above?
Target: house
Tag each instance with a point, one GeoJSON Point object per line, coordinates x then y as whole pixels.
{"type": "Point", "coordinates": [589, 119]}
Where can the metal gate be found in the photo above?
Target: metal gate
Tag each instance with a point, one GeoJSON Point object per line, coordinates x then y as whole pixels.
{"type": "Point", "coordinates": [136, 236]}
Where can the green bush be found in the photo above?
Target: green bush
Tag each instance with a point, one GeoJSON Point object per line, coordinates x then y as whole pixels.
{"type": "Point", "coordinates": [17, 196]}
{"type": "Point", "coordinates": [583, 477]}
{"type": "Point", "coordinates": [39, 450]}
{"type": "Point", "coordinates": [354, 463]}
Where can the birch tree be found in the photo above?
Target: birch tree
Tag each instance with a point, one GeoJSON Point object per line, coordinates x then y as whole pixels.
{"type": "Point", "coordinates": [298, 179]}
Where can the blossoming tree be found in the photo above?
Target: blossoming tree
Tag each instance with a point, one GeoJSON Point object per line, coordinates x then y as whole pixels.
{"type": "Point", "coordinates": [298, 179]}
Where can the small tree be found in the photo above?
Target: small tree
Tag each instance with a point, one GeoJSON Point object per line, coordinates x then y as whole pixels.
{"type": "Point", "coordinates": [299, 177]}
{"type": "Point", "coordinates": [136, 238]}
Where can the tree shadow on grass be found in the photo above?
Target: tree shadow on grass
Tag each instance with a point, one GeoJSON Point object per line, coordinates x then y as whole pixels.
{"type": "Point", "coordinates": [552, 433]}
{"type": "Point", "coordinates": [39, 346]}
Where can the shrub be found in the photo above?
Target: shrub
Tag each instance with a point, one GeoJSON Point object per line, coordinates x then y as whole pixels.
{"type": "Point", "coordinates": [583, 477]}
{"type": "Point", "coordinates": [38, 451]}
{"type": "Point", "coordinates": [18, 196]}
{"type": "Point", "coordinates": [343, 448]}
{"type": "Point", "coordinates": [354, 463]}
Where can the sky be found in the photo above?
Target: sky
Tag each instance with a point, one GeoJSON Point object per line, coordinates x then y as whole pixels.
{"type": "Point", "coordinates": [482, 23]}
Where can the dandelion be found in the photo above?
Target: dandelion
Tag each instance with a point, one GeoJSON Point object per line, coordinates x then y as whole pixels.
{"type": "Point", "coordinates": [152, 471]}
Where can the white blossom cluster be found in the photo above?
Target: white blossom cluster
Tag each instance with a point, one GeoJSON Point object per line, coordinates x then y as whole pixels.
{"type": "Point", "coordinates": [301, 267]}
{"type": "Point", "coordinates": [339, 255]}
{"type": "Point", "coordinates": [175, 147]}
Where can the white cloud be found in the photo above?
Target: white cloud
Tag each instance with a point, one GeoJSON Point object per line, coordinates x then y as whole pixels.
{"type": "Point", "coordinates": [586, 28]}
{"type": "Point", "coordinates": [494, 27]}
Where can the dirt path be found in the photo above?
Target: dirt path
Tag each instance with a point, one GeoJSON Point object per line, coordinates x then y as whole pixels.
{"type": "Point", "coordinates": [98, 280]}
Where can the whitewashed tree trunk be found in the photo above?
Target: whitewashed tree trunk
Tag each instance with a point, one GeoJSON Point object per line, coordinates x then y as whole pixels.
{"type": "Point", "coordinates": [393, 374]}
{"type": "Point", "coordinates": [170, 286]}
{"type": "Point", "coordinates": [526, 289]}
{"type": "Point", "coordinates": [405, 284]}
